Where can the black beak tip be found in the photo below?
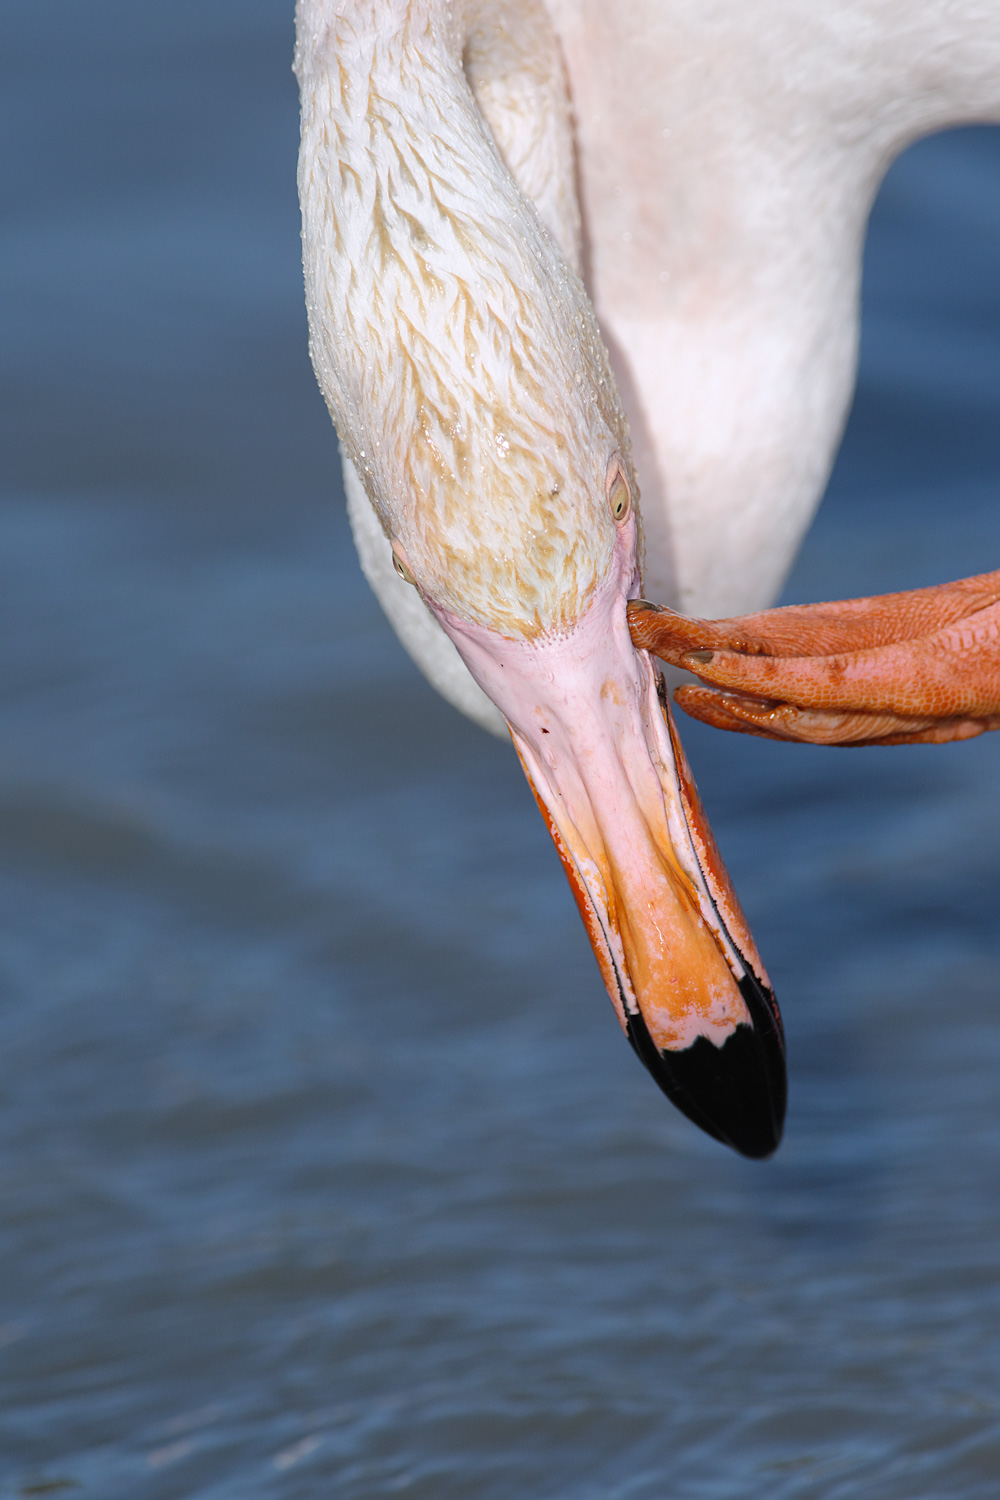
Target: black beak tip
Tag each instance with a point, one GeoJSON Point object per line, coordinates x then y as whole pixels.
{"type": "Point", "coordinates": [737, 1092]}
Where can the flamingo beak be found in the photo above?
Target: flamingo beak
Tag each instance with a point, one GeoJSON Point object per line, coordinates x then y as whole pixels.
{"type": "Point", "coordinates": [589, 719]}
{"type": "Point", "coordinates": [687, 984]}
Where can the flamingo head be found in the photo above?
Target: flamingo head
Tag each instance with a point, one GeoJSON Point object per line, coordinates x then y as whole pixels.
{"type": "Point", "coordinates": [519, 525]}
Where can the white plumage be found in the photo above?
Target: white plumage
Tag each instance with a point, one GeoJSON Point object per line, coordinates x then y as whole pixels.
{"type": "Point", "coordinates": [726, 156]}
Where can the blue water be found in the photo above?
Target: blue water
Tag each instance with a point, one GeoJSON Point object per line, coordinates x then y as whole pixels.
{"type": "Point", "coordinates": [324, 1169]}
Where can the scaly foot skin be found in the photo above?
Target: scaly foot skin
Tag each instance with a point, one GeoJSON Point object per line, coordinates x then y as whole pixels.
{"type": "Point", "coordinates": [899, 669]}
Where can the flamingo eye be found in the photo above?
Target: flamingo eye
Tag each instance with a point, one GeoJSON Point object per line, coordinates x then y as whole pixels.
{"type": "Point", "coordinates": [402, 568]}
{"type": "Point", "coordinates": [619, 496]}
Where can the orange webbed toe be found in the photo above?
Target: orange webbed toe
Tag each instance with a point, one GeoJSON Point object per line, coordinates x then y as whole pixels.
{"type": "Point", "coordinates": [916, 667]}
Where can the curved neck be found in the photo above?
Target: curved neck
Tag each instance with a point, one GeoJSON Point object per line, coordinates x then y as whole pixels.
{"type": "Point", "coordinates": [456, 347]}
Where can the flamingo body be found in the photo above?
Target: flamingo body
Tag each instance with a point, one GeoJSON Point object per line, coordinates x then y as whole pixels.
{"type": "Point", "coordinates": [725, 170]}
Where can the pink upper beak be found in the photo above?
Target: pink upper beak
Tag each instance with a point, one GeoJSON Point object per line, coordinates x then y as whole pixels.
{"type": "Point", "coordinates": [589, 719]}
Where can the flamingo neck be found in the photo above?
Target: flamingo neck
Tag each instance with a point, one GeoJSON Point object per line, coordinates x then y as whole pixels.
{"type": "Point", "coordinates": [455, 344]}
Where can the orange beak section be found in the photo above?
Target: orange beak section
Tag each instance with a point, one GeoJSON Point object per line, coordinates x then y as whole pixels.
{"type": "Point", "coordinates": [589, 719]}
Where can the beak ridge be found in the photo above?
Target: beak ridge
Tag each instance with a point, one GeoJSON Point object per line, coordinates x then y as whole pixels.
{"type": "Point", "coordinates": [748, 1118]}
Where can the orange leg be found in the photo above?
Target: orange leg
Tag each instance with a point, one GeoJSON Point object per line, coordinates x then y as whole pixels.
{"type": "Point", "coordinates": [919, 667]}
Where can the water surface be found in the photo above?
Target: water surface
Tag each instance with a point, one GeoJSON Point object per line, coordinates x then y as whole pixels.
{"type": "Point", "coordinates": [324, 1168]}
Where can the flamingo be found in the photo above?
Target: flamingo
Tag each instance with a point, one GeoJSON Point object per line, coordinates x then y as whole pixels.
{"type": "Point", "coordinates": [551, 250]}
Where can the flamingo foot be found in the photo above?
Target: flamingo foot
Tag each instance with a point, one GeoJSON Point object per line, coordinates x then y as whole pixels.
{"type": "Point", "coordinates": [921, 667]}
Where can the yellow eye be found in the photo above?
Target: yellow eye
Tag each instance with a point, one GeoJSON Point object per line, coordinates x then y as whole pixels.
{"type": "Point", "coordinates": [619, 496]}
{"type": "Point", "coordinates": [402, 568]}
